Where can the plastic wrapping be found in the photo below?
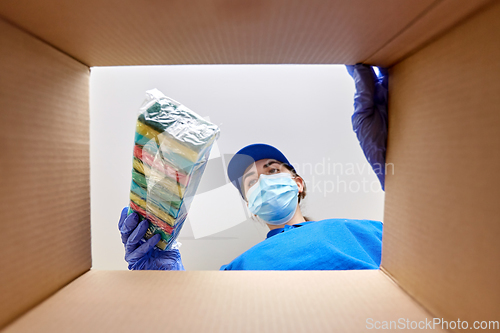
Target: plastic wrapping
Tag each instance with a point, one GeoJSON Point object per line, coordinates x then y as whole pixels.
{"type": "Point", "coordinates": [171, 150]}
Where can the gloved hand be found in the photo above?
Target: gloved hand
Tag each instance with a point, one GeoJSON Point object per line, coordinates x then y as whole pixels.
{"type": "Point", "coordinates": [143, 255]}
{"type": "Point", "coordinates": [369, 120]}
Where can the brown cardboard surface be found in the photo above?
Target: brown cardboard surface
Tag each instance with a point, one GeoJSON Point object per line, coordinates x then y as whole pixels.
{"type": "Point", "coordinates": [441, 221]}
{"type": "Point", "coordinates": [442, 212]}
{"type": "Point", "coordinates": [45, 202]}
{"type": "Point", "coordinates": [128, 32]}
{"type": "Point", "coordinates": [441, 16]}
{"type": "Point", "coordinates": [217, 301]}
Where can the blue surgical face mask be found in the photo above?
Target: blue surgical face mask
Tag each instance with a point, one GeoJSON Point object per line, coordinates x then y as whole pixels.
{"type": "Point", "coordinates": [274, 198]}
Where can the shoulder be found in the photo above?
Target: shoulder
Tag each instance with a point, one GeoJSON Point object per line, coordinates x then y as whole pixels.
{"type": "Point", "coordinates": [346, 223]}
{"type": "Point", "coordinates": [341, 229]}
{"type": "Point", "coordinates": [307, 246]}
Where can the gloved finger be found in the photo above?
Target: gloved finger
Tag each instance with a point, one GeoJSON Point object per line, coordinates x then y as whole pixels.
{"type": "Point", "coordinates": [123, 216]}
{"type": "Point", "coordinates": [142, 250]}
{"type": "Point", "coordinates": [381, 88]}
{"type": "Point", "coordinates": [128, 226]}
{"type": "Point", "coordinates": [384, 73]}
{"type": "Point", "coordinates": [350, 69]}
{"type": "Point", "coordinates": [364, 81]}
{"type": "Point", "coordinates": [135, 237]}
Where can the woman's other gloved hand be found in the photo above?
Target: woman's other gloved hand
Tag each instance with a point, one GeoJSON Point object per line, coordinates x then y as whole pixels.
{"type": "Point", "coordinates": [143, 255]}
{"type": "Point", "coordinates": [369, 120]}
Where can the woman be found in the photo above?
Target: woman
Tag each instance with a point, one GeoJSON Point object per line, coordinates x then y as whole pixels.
{"type": "Point", "coordinates": [273, 190]}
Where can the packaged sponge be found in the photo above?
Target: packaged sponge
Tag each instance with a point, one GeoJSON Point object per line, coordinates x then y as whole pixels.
{"type": "Point", "coordinates": [171, 150]}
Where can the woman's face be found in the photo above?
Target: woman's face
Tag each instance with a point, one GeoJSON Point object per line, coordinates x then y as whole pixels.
{"type": "Point", "coordinates": [268, 167]}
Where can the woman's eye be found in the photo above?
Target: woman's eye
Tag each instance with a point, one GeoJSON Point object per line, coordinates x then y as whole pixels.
{"type": "Point", "coordinates": [274, 170]}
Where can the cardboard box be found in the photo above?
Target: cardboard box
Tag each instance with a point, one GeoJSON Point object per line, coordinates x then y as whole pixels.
{"type": "Point", "coordinates": [442, 214]}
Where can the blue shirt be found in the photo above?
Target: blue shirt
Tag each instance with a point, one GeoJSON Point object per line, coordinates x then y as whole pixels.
{"type": "Point", "coordinates": [332, 244]}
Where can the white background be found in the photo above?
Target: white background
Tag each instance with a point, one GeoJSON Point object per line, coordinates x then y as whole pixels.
{"type": "Point", "coordinates": [303, 110]}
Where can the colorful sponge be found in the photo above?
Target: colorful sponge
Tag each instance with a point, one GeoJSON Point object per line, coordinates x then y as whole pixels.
{"type": "Point", "coordinates": [172, 146]}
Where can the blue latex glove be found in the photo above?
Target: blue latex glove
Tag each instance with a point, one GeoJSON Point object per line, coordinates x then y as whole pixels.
{"type": "Point", "coordinates": [141, 254]}
{"type": "Point", "coordinates": [369, 120]}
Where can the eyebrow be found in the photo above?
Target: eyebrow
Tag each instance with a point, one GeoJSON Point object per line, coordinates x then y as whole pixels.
{"type": "Point", "coordinates": [253, 172]}
{"type": "Point", "coordinates": [271, 162]}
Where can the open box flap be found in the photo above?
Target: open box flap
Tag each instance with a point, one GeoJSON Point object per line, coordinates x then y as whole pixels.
{"type": "Point", "coordinates": [128, 32]}
{"type": "Point", "coordinates": [234, 301]}
{"type": "Point", "coordinates": [442, 212]}
{"type": "Point", "coordinates": [45, 200]}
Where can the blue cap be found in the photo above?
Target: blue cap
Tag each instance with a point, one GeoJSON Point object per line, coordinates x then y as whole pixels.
{"type": "Point", "coordinates": [248, 155]}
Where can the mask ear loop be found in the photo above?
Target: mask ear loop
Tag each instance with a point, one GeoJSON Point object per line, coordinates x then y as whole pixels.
{"type": "Point", "coordinates": [295, 177]}
{"type": "Point", "coordinates": [260, 220]}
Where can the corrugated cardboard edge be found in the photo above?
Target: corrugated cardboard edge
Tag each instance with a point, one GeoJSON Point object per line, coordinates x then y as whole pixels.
{"type": "Point", "coordinates": [45, 195]}
{"type": "Point", "coordinates": [26, 32]}
{"type": "Point", "coordinates": [440, 17]}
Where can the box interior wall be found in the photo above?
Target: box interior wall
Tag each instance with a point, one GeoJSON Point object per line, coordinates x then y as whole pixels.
{"type": "Point", "coordinates": [440, 255]}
